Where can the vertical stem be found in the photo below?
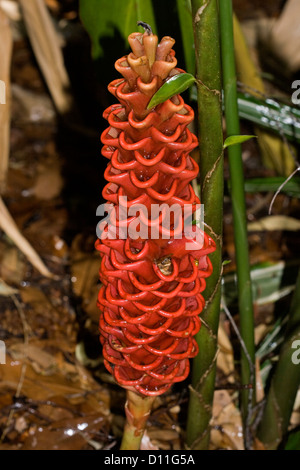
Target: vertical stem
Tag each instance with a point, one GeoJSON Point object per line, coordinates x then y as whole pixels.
{"type": "Point", "coordinates": [137, 409]}
{"type": "Point", "coordinates": [238, 203]}
{"type": "Point", "coordinates": [285, 381]}
{"type": "Point", "coordinates": [208, 67]}
{"type": "Point", "coordinates": [186, 26]}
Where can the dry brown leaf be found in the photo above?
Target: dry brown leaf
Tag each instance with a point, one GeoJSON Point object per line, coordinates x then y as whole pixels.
{"type": "Point", "coordinates": [5, 64]}
{"type": "Point", "coordinates": [164, 438]}
{"type": "Point", "coordinates": [8, 225]}
{"type": "Point", "coordinates": [11, 9]}
{"type": "Point", "coordinates": [146, 443]}
{"type": "Point", "coordinates": [30, 107]}
{"type": "Point", "coordinates": [225, 358]}
{"type": "Point", "coordinates": [41, 361]}
{"type": "Point", "coordinates": [52, 378]}
{"type": "Point", "coordinates": [33, 295]}
{"type": "Point", "coordinates": [258, 445]}
{"type": "Point", "coordinates": [275, 153]}
{"type": "Point", "coordinates": [68, 434]}
{"type": "Point", "coordinates": [284, 36]}
{"type": "Point", "coordinates": [21, 424]}
{"type": "Point", "coordinates": [12, 264]}
{"type": "Point", "coordinates": [295, 418]}
{"type": "Point", "coordinates": [227, 428]}
{"type": "Point", "coordinates": [46, 45]}
{"type": "Point", "coordinates": [85, 277]}
{"type": "Point", "coordinates": [6, 290]}
{"type": "Point", "coordinates": [163, 429]}
{"type": "Point", "coordinates": [49, 182]}
{"type": "Point", "coordinates": [260, 332]}
{"type": "Point", "coordinates": [275, 222]}
{"type": "Point", "coordinates": [260, 391]}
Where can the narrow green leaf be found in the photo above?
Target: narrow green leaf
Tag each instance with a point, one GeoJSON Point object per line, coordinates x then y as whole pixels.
{"type": "Point", "coordinates": [113, 21]}
{"type": "Point", "coordinates": [236, 139]}
{"type": "Point", "coordinates": [270, 282]}
{"type": "Point", "coordinates": [271, 114]}
{"type": "Point", "coordinates": [291, 188]}
{"type": "Point", "coordinates": [174, 86]}
{"type": "Point", "coordinates": [186, 26]}
{"type": "Point", "coordinates": [293, 442]}
{"type": "Point", "coordinates": [226, 261]}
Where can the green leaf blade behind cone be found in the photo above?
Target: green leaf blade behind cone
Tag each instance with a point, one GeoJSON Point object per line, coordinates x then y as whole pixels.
{"type": "Point", "coordinates": [105, 19]}
{"type": "Point", "coordinates": [174, 86]}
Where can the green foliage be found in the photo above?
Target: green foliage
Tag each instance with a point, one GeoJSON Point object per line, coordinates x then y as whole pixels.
{"type": "Point", "coordinates": [174, 86]}
{"type": "Point", "coordinates": [293, 442]}
{"type": "Point", "coordinates": [271, 114]}
{"type": "Point", "coordinates": [107, 18]}
{"type": "Point", "coordinates": [236, 139]}
{"type": "Point", "coordinates": [256, 185]}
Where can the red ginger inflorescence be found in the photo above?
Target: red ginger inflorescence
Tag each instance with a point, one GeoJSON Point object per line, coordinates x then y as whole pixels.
{"type": "Point", "coordinates": [151, 298]}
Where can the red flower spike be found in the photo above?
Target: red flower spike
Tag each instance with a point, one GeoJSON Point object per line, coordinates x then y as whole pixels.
{"type": "Point", "coordinates": [151, 298]}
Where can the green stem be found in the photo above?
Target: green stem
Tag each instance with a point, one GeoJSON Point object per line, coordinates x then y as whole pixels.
{"type": "Point", "coordinates": [208, 68]}
{"type": "Point", "coordinates": [238, 208]}
{"type": "Point", "coordinates": [186, 27]}
{"type": "Point", "coordinates": [137, 409]}
{"type": "Point", "coordinates": [285, 382]}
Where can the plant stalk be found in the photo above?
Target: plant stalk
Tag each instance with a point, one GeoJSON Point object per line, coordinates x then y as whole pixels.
{"type": "Point", "coordinates": [208, 74]}
{"type": "Point", "coordinates": [186, 27]}
{"type": "Point", "coordinates": [137, 409]}
{"type": "Point", "coordinates": [285, 381]}
{"type": "Point", "coordinates": [239, 213]}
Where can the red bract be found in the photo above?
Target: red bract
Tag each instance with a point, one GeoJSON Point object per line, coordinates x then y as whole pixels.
{"type": "Point", "coordinates": [151, 298]}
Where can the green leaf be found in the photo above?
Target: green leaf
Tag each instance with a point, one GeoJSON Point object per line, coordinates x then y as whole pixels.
{"type": "Point", "coordinates": [293, 442]}
{"type": "Point", "coordinates": [271, 114]}
{"type": "Point", "coordinates": [255, 185]}
{"type": "Point", "coordinates": [226, 261]}
{"type": "Point", "coordinates": [109, 19]}
{"type": "Point", "coordinates": [270, 282]}
{"type": "Point", "coordinates": [174, 86]}
{"type": "Point", "coordinates": [236, 139]}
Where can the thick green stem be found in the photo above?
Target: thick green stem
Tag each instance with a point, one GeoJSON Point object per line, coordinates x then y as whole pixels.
{"type": "Point", "coordinates": [238, 208]}
{"type": "Point", "coordinates": [207, 47]}
{"type": "Point", "coordinates": [285, 381]}
{"type": "Point", "coordinates": [137, 409]}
